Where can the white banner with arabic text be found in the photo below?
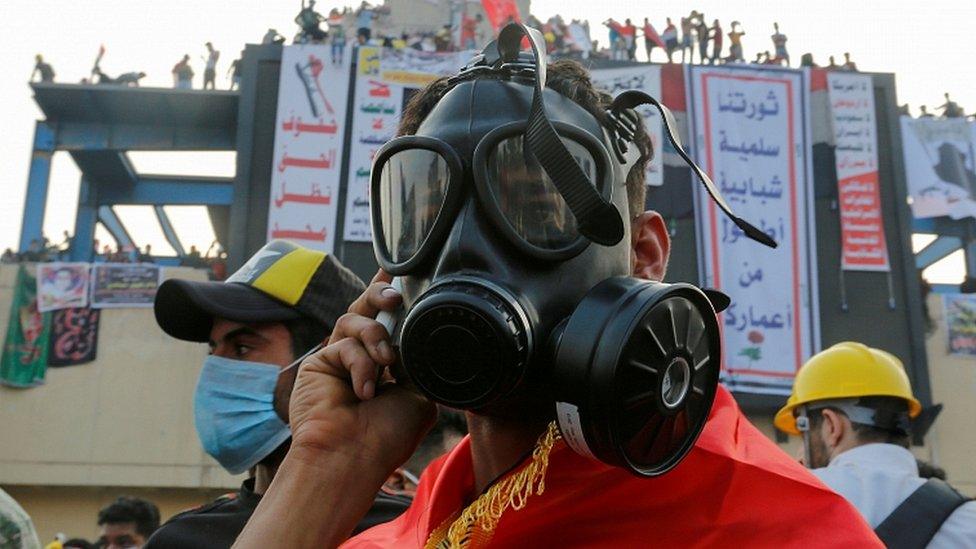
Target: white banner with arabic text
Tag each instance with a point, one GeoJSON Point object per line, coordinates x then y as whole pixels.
{"type": "Point", "coordinates": [863, 244]}
{"type": "Point", "coordinates": [752, 137]}
{"type": "Point", "coordinates": [645, 78]}
{"type": "Point", "coordinates": [385, 78]}
{"type": "Point", "coordinates": [308, 146]}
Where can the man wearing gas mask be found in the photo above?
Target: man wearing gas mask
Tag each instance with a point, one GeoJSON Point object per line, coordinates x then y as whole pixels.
{"type": "Point", "coordinates": [276, 308]}
{"type": "Point", "coordinates": [532, 300]}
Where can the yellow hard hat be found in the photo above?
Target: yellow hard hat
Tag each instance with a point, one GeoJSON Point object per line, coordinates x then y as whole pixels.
{"type": "Point", "coordinates": [847, 370]}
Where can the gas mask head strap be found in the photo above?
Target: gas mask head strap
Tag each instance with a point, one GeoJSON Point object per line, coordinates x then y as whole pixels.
{"type": "Point", "coordinates": [894, 421]}
{"type": "Point", "coordinates": [621, 114]}
{"type": "Point", "coordinates": [598, 219]}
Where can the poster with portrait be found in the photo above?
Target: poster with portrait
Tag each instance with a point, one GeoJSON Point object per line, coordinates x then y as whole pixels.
{"type": "Point", "coordinates": [62, 285]}
{"type": "Point", "coordinates": [960, 317]}
{"type": "Point", "coordinates": [117, 285]}
{"type": "Point", "coordinates": [940, 166]}
{"type": "Point", "coordinates": [752, 137]}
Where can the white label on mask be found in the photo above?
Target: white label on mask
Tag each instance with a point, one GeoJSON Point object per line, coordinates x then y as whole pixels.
{"type": "Point", "coordinates": [567, 415]}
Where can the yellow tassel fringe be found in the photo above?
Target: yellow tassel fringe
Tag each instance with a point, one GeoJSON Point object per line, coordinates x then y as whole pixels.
{"type": "Point", "coordinates": [478, 520]}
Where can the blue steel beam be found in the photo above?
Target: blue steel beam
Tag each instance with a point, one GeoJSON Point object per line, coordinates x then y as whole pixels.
{"type": "Point", "coordinates": [945, 288]}
{"type": "Point", "coordinates": [85, 220]}
{"type": "Point", "coordinates": [86, 136]}
{"type": "Point", "coordinates": [160, 190]}
{"type": "Point", "coordinates": [936, 250]}
{"type": "Point", "coordinates": [168, 231]}
{"type": "Point", "coordinates": [971, 258]}
{"type": "Point", "coordinates": [38, 178]}
{"type": "Point", "coordinates": [107, 168]}
{"type": "Point", "coordinates": [110, 220]}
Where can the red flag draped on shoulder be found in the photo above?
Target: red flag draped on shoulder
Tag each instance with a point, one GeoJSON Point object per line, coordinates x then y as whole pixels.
{"type": "Point", "coordinates": [734, 488]}
{"type": "Point", "coordinates": [651, 34]}
{"type": "Point", "coordinates": [501, 12]}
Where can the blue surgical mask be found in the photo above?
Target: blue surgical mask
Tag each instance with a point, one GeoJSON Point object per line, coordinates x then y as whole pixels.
{"type": "Point", "coordinates": [234, 412]}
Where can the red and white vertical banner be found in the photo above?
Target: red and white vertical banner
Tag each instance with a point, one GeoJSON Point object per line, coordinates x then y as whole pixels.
{"type": "Point", "coordinates": [752, 137]}
{"type": "Point", "coordinates": [645, 78]}
{"type": "Point", "coordinates": [308, 146]}
{"type": "Point", "coordinates": [376, 113]}
{"type": "Point", "coordinates": [863, 245]}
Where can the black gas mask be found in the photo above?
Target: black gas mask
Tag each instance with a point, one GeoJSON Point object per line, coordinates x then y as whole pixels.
{"type": "Point", "coordinates": [504, 219]}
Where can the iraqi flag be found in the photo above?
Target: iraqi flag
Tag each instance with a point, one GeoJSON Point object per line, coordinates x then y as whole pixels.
{"type": "Point", "coordinates": [735, 488]}
{"type": "Point", "coordinates": [652, 35]}
{"type": "Point", "coordinates": [501, 12]}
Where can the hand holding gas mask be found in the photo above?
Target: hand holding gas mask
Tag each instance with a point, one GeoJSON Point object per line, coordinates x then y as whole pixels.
{"type": "Point", "coordinates": [502, 218]}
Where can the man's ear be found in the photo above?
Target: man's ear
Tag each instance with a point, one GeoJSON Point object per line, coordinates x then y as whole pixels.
{"type": "Point", "coordinates": [282, 391]}
{"type": "Point", "coordinates": [832, 428]}
{"type": "Point", "coordinates": [651, 246]}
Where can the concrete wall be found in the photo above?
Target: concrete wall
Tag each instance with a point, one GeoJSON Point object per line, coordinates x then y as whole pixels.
{"type": "Point", "coordinates": [952, 440]}
{"type": "Point", "coordinates": [119, 425]}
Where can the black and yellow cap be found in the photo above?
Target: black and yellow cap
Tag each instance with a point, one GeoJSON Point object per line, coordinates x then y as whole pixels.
{"type": "Point", "coordinates": [282, 281]}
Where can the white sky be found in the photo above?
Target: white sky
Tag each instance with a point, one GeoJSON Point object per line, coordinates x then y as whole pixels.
{"type": "Point", "coordinates": [929, 46]}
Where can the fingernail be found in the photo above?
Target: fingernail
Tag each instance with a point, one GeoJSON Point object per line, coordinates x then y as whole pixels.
{"type": "Point", "coordinates": [369, 388]}
{"type": "Point", "coordinates": [386, 351]}
{"type": "Point", "coordinates": [390, 292]}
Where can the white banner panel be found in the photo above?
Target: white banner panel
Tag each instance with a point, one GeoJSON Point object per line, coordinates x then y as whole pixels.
{"type": "Point", "coordinates": [863, 245]}
{"type": "Point", "coordinates": [308, 151]}
{"type": "Point", "coordinates": [646, 78]}
{"type": "Point", "coordinates": [939, 166]}
{"type": "Point", "coordinates": [384, 78]}
{"type": "Point", "coordinates": [752, 137]}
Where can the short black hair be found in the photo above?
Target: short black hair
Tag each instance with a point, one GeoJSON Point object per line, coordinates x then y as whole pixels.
{"type": "Point", "coordinates": [929, 470]}
{"type": "Point", "coordinates": [867, 434]}
{"type": "Point", "coordinates": [570, 79]}
{"type": "Point", "coordinates": [143, 513]}
{"type": "Point", "coordinates": [305, 333]}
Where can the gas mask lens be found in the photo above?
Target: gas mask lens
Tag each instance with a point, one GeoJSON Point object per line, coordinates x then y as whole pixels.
{"type": "Point", "coordinates": [412, 186]}
{"type": "Point", "coordinates": [526, 196]}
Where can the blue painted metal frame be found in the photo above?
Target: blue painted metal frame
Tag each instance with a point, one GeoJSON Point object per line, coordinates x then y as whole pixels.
{"type": "Point", "coordinates": [168, 231]}
{"type": "Point", "coordinates": [110, 220]}
{"type": "Point", "coordinates": [141, 137]}
{"type": "Point", "coordinates": [963, 231]}
{"type": "Point", "coordinates": [38, 179]}
{"type": "Point", "coordinates": [161, 190]}
{"type": "Point", "coordinates": [85, 220]}
{"type": "Point", "coordinates": [936, 250]}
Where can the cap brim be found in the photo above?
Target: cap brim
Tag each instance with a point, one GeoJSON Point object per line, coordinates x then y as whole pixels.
{"type": "Point", "coordinates": [185, 309]}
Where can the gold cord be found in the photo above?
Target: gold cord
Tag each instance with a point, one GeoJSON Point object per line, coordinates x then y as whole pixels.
{"type": "Point", "coordinates": [477, 522]}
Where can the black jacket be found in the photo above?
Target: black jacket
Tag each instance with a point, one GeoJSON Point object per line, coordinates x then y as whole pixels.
{"type": "Point", "coordinates": [218, 523]}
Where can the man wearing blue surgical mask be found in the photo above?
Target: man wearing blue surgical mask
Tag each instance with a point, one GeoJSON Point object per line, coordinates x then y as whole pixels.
{"type": "Point", "coordinates": [278, 306]}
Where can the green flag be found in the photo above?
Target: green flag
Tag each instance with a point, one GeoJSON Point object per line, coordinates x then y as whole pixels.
{"type": "Point", "coordinates": [24, 358]}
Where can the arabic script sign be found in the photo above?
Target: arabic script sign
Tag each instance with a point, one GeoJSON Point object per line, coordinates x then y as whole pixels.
{"type": "Point", "coordinates": [750, 128]}
{"type": "Point", "coordinates": [858, 190]}
{"type": "Point", "coordinates": [308, 147]}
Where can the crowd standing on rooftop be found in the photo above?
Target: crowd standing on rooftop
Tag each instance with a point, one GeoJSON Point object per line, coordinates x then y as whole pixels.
{"type": "Point", "coordinates": [694, 37]}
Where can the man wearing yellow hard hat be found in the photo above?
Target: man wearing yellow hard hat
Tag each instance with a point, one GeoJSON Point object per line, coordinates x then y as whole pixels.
{"type": "Point", "coordinates": [853, 405]}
